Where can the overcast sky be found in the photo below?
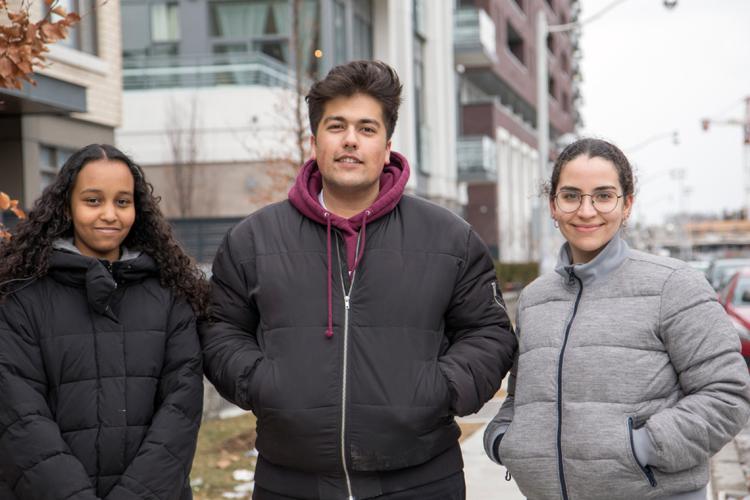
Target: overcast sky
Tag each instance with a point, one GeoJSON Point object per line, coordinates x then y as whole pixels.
{"type": "Point", "coordinates": [648, 70]}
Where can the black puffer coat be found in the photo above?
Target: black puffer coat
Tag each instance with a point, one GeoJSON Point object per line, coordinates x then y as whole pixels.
{"type": "Point", "coordinates": [101, 385]}
{"type": "Point", "coordinates": [423, 336]}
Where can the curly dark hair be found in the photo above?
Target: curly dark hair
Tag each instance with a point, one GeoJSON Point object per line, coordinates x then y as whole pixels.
{"type": "Point", "coordinates": [26, 255]}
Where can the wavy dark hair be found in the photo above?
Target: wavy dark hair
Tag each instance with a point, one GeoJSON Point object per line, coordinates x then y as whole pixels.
{"type": "Point", "coordinates": [593, 148]}
{"type": "Point", "coordinates": [26, 256]}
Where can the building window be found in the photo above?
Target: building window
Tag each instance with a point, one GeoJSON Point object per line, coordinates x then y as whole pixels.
{"type": "Point", "coordinates": [565, 62]}
{"type": "Point", "coordinates": [152, 29]}
{"type": "Point", "coordinates": [265, 25]}
{"type": "Point", "coordinates": [362, 29]}
{"type": "Point", "coordinates": [51, 159]}
{"type": "Point", "coordinates": [515, 44]}
{"type": "Point", "coordinates": [551, 5]}
{"type": "Point", "coordinates": [519, 3]}
{"type": "Point", "coordinates": [165, 23]}
{"type": "Point", "coordinates": [81, 36]}
{"type": "Point", "coordinates": [551, 42]}
{"type": "Point", "coordinates": [419, 82]}
{"type": "Point", "coordinates": [565, 102]}
{"type": "Point", "coordinates": [552, 87]}
{"type": "Point", "coordinates": [339, 30]}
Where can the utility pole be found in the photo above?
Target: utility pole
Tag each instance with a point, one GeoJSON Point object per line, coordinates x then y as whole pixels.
{"type": "Point", "coordinates": [745, 124]}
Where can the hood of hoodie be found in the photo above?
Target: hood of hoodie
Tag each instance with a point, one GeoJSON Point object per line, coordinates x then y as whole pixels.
{"type": "Point", "coordinates": [304, 197]}
{"type": "Point", "coordinates": [309, 183]}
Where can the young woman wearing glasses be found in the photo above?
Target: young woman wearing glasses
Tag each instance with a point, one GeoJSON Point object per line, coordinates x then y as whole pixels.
{"type": "Point", "coordinates": [628, 376]}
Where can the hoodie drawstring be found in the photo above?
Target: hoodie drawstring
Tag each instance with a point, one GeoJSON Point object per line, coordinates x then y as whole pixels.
{"type": "Point", "coordinates": [361, 249]}
{"type": "Point", "coordinates": [329, 331]}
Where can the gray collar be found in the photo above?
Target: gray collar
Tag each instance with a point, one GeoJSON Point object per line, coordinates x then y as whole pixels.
{"type": "Point", "coordinates": [609, 259]}
{"type": "Point", "coordinates": [66, 245]}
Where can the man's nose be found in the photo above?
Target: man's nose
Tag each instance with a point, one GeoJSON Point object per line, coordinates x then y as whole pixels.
{"type": "Point", "coordinates": [350, 138]}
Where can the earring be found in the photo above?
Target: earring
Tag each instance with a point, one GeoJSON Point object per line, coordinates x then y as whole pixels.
{"type": "Point", "coordinates": [557, 224]}
{"type": "Point", "coordinates": [624, 223]}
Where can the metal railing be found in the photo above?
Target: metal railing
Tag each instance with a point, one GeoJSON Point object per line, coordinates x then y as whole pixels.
{"type": "Point", "coordinates": [152, 72]}
{"type": "Point", "coordinates": [477, 158]}
{"type": "Point", "coordinates": [474, 29]}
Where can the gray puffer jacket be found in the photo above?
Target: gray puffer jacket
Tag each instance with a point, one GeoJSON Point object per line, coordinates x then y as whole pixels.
{"type": "Point", "coordinates": [628, 379]}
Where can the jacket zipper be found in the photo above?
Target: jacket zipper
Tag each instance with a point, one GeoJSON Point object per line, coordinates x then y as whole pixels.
{"type": "Point", "coordinates": [646, 469]}
{"type": "Point", "coordinates": [347, 304]}
{"type": "Point", "coordinates": [561, 472]}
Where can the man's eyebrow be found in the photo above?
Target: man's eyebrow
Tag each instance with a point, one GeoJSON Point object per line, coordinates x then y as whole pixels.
{"type": "Point", "coordinates": [338, 118]}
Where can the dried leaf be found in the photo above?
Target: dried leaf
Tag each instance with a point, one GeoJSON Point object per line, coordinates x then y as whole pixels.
{"type": "Point", "coordinates": [4, 201]}
{"type": "Point", "coordinates": [60, 11]}
{"type": "Point", "coordinates": [223, 463]}
{"type": "Point", "coordinates": [4, 235]}
{"type": "Point", "coordinates": [18, 212]}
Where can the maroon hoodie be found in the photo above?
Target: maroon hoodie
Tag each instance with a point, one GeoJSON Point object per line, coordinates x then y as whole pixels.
{"type": "Point", "coordinates": [304, 197]}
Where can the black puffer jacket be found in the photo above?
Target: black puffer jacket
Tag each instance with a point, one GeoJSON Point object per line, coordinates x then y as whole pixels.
{"type": "Point", "coordinates": [101, 385]}
{"type": "Point", "coordinates": [424, 337]}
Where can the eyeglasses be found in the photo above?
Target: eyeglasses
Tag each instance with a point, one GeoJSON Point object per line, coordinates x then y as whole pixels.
{"type": "Point", "coordinates": [603, 202]}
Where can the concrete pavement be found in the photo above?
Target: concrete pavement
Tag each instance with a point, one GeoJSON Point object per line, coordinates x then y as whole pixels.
{"type": "Point", "coordinates": [485, 480]}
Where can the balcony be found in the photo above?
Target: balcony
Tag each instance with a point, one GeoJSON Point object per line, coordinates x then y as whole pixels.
{"type": "Point", "coordinates": [477, 159]}
{"type": "Point", "coordinates": [473, 38]}
{"type": "Point", "coordinates": [154, 72]}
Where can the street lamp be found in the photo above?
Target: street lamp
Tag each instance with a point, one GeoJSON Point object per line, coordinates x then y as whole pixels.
{"type": "Point", "coordinates": [543, 29]}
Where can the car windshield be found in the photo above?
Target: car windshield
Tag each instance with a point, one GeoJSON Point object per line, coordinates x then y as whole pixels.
{"type": "Point", "coordinates": [723, 271]}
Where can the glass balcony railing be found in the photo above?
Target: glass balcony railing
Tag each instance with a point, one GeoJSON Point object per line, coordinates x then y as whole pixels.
{"type": "Point", "coordinates": [152, 72]}
{"type": "Point", "coordinates": [477, 158]}
{"type": "Point", "coordinates": [474, 36]}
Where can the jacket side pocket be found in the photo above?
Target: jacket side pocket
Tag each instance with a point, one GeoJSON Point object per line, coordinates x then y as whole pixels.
{"type": "Point", "coordinates": [645, 469]}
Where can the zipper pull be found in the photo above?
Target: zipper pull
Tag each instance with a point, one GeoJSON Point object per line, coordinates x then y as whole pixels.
{"type": "Point", "coordinates": [507, 475]}
{"type": "Point", "coordinates": [346, 302]}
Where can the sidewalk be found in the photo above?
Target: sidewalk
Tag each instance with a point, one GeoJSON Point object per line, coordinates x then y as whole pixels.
{"type": "Point", "coordinates": [730, 473]}
{"type": "Point", "coordinates": [485, 480]}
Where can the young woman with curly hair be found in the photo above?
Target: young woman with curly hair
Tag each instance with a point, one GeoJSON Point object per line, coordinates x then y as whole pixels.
{"type": "Point", "coordinates": [100, 365]}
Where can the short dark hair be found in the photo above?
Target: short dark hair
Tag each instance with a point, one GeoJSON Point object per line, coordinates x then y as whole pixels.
{"type": "Point", "coordinates": [373, 78]}
{"type": "Point", "coordinates": [594, 148]}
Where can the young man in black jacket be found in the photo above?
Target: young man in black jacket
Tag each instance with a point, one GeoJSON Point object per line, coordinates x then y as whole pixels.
{"type": "Point", "coordinates": [353, 320]}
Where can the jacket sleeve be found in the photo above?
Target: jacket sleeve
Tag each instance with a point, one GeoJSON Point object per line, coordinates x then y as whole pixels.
{"type": "Point", "coordinates": [497, 427]}
{"type": "Point", "coordinates": [703, 347]}
{"type": "Point", "coordinates": [34, 458]}
{"type": "Point", "coordinates": [482, 343]}
{"type": "Point", "coordinates": [230, 348]}
{"type": "Point", "coordinates": [161, 468]}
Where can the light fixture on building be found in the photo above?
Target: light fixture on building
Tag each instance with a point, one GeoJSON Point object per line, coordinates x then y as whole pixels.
{"type": "Point", "coordinates": [318, 53]}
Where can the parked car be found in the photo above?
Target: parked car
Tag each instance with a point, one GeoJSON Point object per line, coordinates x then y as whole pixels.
{"type": "Point", "coordinates": [700, 265]}
{"type": "Point", "coordinates": [720, 270]}
{"type": "Point", "coordinates": [735, 297]}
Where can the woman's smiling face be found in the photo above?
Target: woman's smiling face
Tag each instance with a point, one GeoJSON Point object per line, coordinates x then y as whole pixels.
{"type": "Point", "coordinates": [586, 229]}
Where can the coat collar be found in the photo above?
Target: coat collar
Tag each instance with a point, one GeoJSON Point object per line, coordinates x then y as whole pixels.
{"type": "Point", "coordinates": [610, 258]}
{"type": "Point", "coordinates": [68, 266]}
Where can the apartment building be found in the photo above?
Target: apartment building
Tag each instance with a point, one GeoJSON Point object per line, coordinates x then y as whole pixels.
{"type": "Point", "coordinates": [495, 52]}
{"type": "Point", "coordinates": [213, 91]}
{"type": "Point", "coordinates": [76, 101]}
